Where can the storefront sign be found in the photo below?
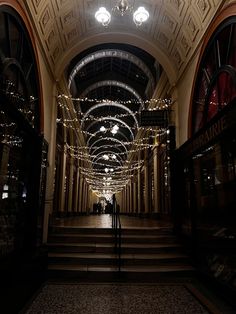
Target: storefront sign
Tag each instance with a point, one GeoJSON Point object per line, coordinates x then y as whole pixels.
{"type": "Point", "coordinates": [154, 118]}
{"type": "Point", "coordinates": [208, 135]}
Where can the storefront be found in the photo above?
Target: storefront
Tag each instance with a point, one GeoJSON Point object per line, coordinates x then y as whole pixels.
{"type": "Point", "coordinates": [205, 176]}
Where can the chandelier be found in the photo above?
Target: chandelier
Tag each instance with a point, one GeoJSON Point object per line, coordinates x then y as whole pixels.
{"type": "Point", "coordinates": [140, 16]}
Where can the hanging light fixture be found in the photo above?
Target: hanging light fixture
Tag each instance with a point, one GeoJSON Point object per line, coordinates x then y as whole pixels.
{"type": "Point", "coordinates": [122, 7]}
{"type": "Point", "coordinates": [103, 16]}
{"type": "Point", "coordinates": [140, 16]}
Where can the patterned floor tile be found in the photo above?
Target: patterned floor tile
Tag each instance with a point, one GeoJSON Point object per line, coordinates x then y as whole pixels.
{"type": "Point", "coordinates": [115, 299]}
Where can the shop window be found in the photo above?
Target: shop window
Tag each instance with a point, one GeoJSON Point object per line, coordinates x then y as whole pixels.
{"type": "Point", "coordinates": [20, 139]}
{"type": "Point", "coordinates": [216, 81]}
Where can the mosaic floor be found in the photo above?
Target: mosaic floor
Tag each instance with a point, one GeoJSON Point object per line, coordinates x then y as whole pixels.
{"type": "Point", "coordinates": [115, 299]}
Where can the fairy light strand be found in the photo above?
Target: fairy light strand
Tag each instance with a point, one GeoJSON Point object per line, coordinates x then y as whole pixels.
{"type": "Point", "coordinates": [94, 170]}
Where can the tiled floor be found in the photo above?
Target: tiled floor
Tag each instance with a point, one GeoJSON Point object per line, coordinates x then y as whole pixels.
{"type": "Point", "coordinates": [116, 298]}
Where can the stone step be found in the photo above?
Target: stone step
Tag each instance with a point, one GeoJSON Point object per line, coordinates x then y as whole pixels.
{"type": "Point", "coordinates": [90, 251]}
{"type": "Point", "coordinates": [109, 248]}
{"type": "Point", "coordinates": [80, 238]}
{"type": "Point", "coordinates": [80, 230]}
{"type": "Point", "coordinates": [147, 231]}
{"type": "Point", "coordinates": [125, 231]}
{"type": "Point", "coordinates": [161, 268]}
{"type": "Point", "coordinates": [106, 238]}
{"type": "Point", "coordinates": [81, 247]}
{"type": "Point", "coordinates": [151, 248]}
{"type": "Point", "coordinates": [105, 272]}
{"type": "Point", "coordinates": [140, 238]}
{"type": "Point", "coordinates": [111, 259]}
{"type": "Point", "coordinates": [82, 258]}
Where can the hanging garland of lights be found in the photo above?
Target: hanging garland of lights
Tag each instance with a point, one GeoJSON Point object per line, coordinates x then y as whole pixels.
{"type": "Point", "coordinates": [160, 101]}
{"type": "Point", "coordinates": [158, 130]}
{"type": "Point", "coordinates": [106, 178]}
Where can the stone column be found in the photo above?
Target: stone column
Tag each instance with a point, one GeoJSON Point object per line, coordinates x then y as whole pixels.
{"type": "Point", "coordinates": [146, 183]}
{"type": "Point", "coordinates": [131, 197]}
{"type": "Point", "coordinates": [156, 170]}
{"type": "Point", "coordinates": [84, 209]}
{"type": "Point", "coordinates": [81, 183]}
{"type": "Point", "coordinates": [71, 175]}
{"type": "Point", "coordinates": [76, 196]}
{"type": "Point", "coordinates": [127, 199]}
{"type": "Point", "coordinates": [61, 195]}
{"type": "Point", "coordinates": [135, 197]}
{"type": "Point", "coordinates": [124, 202]}
{"type": "Point", "coordinates": [139, 191]}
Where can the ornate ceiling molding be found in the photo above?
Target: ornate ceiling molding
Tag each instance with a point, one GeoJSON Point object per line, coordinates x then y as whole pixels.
{"type": "Point", "coordinates": [172, 34]}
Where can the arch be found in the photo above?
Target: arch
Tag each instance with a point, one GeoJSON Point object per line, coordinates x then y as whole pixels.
{"type": "Point", "coordinates": [229, 11]}
{"type": "Point", "coordinates": [112, 53]}
{"type": "Point", "coordinates": [120, 134]}
{"type": "Point", "coordinates": [112, 103]}
{"type": "Point", "coordinates": [6, 64]}
{"type": "Point", "coordinates": [120, 37]}
{"type": "Point", "coordinates": [19, 10]}
{"type": "Point", "coordinates": [114, 83]}
{"type": "Point", "coordinates": [119, 149]}
{"type": "Point", "coordinates": [110, 139]}
{"type": "Point", "coordinates": [105, 152]}
{"type": "Point", "coordinates": [100, 157]}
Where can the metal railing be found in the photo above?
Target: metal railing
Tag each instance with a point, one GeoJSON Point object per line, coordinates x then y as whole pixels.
{"type": "Point", "coordinates": [116, 225]}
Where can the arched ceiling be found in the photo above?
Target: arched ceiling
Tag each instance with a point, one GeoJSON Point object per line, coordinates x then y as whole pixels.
{"type": "Point", "coordinates": [116, 68]}
{"type": "Point", "coordinates": [171, 35]}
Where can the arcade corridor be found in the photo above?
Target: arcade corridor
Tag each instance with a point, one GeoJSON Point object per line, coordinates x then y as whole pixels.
{"type": "Point", "coordinates": [118, 155]}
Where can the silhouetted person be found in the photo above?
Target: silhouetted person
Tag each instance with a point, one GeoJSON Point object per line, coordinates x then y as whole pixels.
{"type": "Point", "coordinates": [99, 208]}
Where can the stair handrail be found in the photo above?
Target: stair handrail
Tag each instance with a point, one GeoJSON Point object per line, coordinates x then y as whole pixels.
{"type": "Point", "coordinates": [116, 225]}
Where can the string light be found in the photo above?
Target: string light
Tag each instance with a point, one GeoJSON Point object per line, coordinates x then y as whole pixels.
{"type": "Point", "coordinates": [124, 102]}
{"type": "Point", "coordinates": [97, 170]}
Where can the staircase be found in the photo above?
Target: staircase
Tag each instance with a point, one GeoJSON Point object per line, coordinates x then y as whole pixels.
{"type": "Point", "coordinates": [78, 252]}
{"type": "Point", "coordinates": [153, 252]}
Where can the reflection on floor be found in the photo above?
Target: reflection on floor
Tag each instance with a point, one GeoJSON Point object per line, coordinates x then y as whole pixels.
{"type": "Point", "coordinates": [105, 221]}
